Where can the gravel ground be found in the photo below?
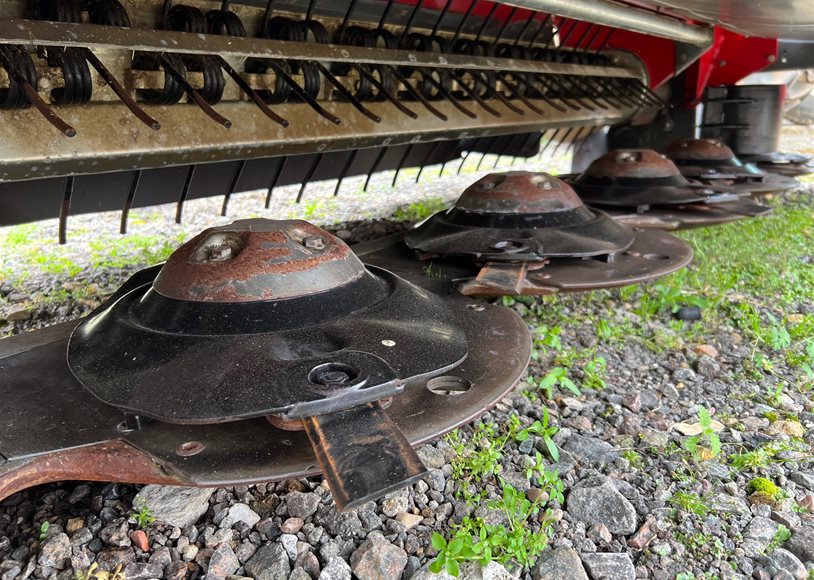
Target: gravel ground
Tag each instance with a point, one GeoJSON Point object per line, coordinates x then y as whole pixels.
{"type": "Point", "coordinates": [646, 492]}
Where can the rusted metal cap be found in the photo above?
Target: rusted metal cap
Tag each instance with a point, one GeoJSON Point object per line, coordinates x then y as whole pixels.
{"type": "Point", "coordinates": [699, 150]}
{"type": "Point", "coordinates": [255, 260]}
{"type": "Point", "coordinates": [518, 192]}
{"type": "Point", "coordinates": [632, 163]}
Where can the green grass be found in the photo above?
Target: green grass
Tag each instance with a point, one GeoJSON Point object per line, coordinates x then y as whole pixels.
{"type": "Point", "coordinates": [419, 210]}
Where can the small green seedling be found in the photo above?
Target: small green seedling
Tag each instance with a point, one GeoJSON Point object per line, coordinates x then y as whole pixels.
{"type": "Point", "coordinates": [143, 517]}
{"type": "Point", "coordinates": [44, 526]}
{"type": "Point", "coordinates": [706, 445]}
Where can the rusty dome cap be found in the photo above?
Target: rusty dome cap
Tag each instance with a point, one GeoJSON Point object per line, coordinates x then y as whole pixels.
{"type": "Point", "coordinates": [699, 150]}
{"type": "Point", "coordinates": [257, 260]}
{"type": "Point", "coordinates": [632, 164]}
{"type": "Point", "coordinates": [518, 192]}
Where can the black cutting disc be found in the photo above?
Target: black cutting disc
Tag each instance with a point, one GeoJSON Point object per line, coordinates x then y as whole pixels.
{"type": "Point", "coordinates": [713, 163]}
{"type": "Point", "coordinates": [258, 318]}
{"type": "Point", "coordinates": [640, 178]}
{"type": "Point", "coordinates": [519, 216]}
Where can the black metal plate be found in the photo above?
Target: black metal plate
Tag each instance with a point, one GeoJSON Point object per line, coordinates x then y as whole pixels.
{"type": "Point", "coordinates": [194, 379]}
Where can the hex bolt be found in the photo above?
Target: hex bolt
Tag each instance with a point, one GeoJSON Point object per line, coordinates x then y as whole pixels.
{"type": "Point", "coordinates": [314, 242]}
{"type": "Point", "coordinates": [219, 253]}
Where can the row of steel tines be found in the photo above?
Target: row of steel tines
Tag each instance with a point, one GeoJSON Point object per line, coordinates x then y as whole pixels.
{"type": "Point", "coordinates": [542, 38]}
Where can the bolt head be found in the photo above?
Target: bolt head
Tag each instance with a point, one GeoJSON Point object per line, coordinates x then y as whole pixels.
{"type": "Point", "coordinates": [314, 243]}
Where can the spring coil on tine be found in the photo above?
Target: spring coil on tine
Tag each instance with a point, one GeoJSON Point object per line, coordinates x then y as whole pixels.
{"type": "Point", "coordinates": [14, 97]}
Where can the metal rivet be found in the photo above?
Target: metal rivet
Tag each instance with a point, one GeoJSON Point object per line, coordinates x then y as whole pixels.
{"type": "Point", "coordinates": [388, 342]}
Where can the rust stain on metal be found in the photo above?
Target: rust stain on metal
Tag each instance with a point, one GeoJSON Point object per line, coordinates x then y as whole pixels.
{"type": "Point", "coordinates": [253, 260]}
{"type": "Point", "coordinates": [518, 192]}
{"type": "Point", "coordinates": [110, 461]}
{"type": "Point", "coordinates": [632, 163]}
{"type": "Point", "coordinates": [699, 150]}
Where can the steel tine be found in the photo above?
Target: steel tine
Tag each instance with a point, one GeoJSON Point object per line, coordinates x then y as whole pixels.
{"type": "Point", "coordinates": [557, 94]}
{"type": "Point", "coordinates": [374, 167]}
{"type": "Point", "coordinates": [35, 98]}
{"type": "Point", "coordinates": [594, 36]}
{"type": "Point", "coordinates": [441, 16]}
{"type": "Point", "coordinates": [128, 203]}
{"type": "Point", "coordinates": [509, 142]}
{"type": "Point", "coordinates": [309, 174]}
{"type": "Point", "coordinates": [427, 158]}
{"type": "Point", "coordinates": [588, 88]}
{"type": "Point", "coordinates": [657, 99]}
{"type": "Point", "coordinates": [406, 30]}
{"type": "Point", "coordinates": [548, 144]}
{"type": "Point", "coordinates": [564, 39]}
{"type": "Point", "coordinates": [65, 209]}
{"type": "Point", "coordinates": [195, 95]}
{"type": "Point", "coordinates": [385, 14]}
{"type": "Point", "coordinates": [341, 30]}
{"type": "Point", "coordinates": [266, 14]}
{"type": "Point", "coordinates": [620, 100]}
{"type": "Point", "coordinates": [540, 30]}
{"type": "Point", "coordinates": [461, 24]}
{"type": "Point", "coordinates": [588, 29]}
{"type": "Point", "coordinates": [417, 94]}
{"type": "Point", "coordinates": [179, 207]}
{"type": "Point", "coordinates": [498, 95]}
{"type": "Point", "coordinates": [383, 90]}
{"type": "Point", "coordinates": [506, 23]}
{"type": "Point", "coordinates": [275, 179]}
{"type": "Point", "coordinates": [604, 43]}
{"type": "Point", "coordinates": [244, 86]}
{"type": "Point", "coordinates": [120, 91]}
{"type": "Point", "coordinates": [345, 169]}
{"type": "Point", "coordinates": [486, 21]}
{"type": "Point", "coordinates": [555, 32]}
{"type": "Point", "coordinates": [309, 13]}
{"type": "Point", "coordinates": [572, 145]}
{"type": "Point", "coordinates": [464, 157]}
{"type": "Point", "coordinates": [443, 166]}
{"type": "Point", "coordinates": [489, 144]}
{"type": "Point", "coordinates": [542, 96]}
{"type": "Point", "coordinates": [402, 161]}
{"type": "Point", "coordinates": [584, 140]}
{"type": "Point", "coordinates": [446, 94]}
{"type": "Point", "coordinates": [303, 94]}
{"type": "Point", "coordinates": [637, 98]}
{"type": "Point", "coordinates": [526, 142]}
{"type": "Point", "coordinates": [480, 100]}
{"type": "Point", "coordinates": [516, 92]}
{"type": "Point", "coordinates": [562, 140]}
{"type": "Point", "coordinates": [346, 93]}
{"type": "Point", "coordinates": [579, 100]}
{"type": "Point", "coordinates": [232, 185]}
{"type": "Point", "coordinates": [525, 28]}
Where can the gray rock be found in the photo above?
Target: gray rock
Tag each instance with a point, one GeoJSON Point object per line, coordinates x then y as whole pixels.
{"type": "Point", "coordinates": [335, 569]}
{"type": "Point", "coordinates": [116, 535]}
{"type": "Point", "coordinates": [685, 375]}
{"type": "Point", "coordinates": [395, 503]}
{"type": "Point", "coordinates": [804, 479]}
{"type": "Point", "coordinates": [223, 563]}
{"type": "Point", "coordinates": [299, 574]}
{"type": "Point", "coordinates": [760, 532]}
{"type": "Point", "coordinates": [590, 450]}
{"type": "Point", "coordinates": [140, 571]}
{"type": "Point", "coordinates": [111, 558]}
{"type": "Point", "coordinates": [301, 505]}
{"type": "Point", "coordinates": [378, 560]}
{"type": "Point", "coordinates": [55, 552]}
{"type": "Point", "coordinates": [780, 559]}
{"type": "Point", "coordinates": [721, 502]}
{"type": "Point", "coordinates": [801, 544]}
{"type": "Point", "coordinates": [176, 506]}
{"type": "Point", "coordinates": [431, 456]}
{"type": "Point", "coordinates": [559, 564]}
{"type": "Point", "coordinates": [239, 512]}
{"type": "Point", "coordinates": [269, 563]}
{"type": "Point", "coordinates": [615, 566]}
{"type": "Point", "coordinates": [435, 479]}
{"type": "Point", "coordinates": [596, 501]}
{"type": "Point", "coordinates": [81, 537]}
{"type": "Point", "coordinates": [289, 543]}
